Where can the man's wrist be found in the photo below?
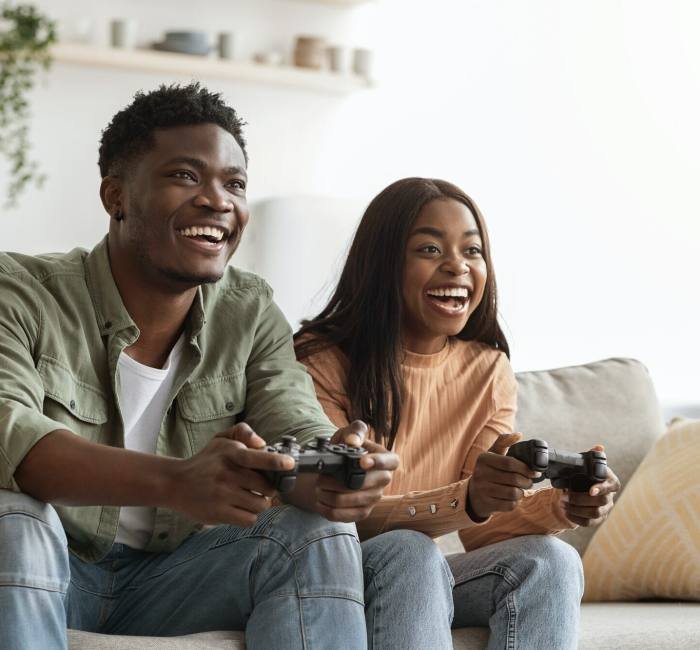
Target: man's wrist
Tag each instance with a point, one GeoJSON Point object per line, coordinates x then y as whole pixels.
{"type": "Point", "coordinates": [167, 482]}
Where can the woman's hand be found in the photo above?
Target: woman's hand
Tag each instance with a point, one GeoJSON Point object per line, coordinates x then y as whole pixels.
{"type": "Point", "coordinates": [593, 507]}
{"type": "Point", "coordinates": [499, 481]}
{"type": "Point", "coordinates": [338, 503]}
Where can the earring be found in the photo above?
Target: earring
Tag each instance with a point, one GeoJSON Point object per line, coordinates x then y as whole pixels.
{"type": "Point", "coordinates": [119, 216]}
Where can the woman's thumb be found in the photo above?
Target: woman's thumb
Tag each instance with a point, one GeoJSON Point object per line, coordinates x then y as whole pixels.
{"type": "Point", "coordinates": [504, 441]}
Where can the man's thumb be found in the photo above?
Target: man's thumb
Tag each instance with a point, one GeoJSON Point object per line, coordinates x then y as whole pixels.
{"type": "Point", "coordinates": [504, 441]}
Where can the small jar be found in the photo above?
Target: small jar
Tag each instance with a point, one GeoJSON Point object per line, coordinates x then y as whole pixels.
{"type": "Point", "coordinates": [310, 52]}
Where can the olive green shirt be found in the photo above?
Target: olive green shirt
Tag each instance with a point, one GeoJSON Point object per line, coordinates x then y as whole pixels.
{"type": "Point", "coordinates": [63, 326]}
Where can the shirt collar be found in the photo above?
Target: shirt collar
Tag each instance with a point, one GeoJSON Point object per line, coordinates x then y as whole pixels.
{"type": "Point", "coordinates": [112, 315]}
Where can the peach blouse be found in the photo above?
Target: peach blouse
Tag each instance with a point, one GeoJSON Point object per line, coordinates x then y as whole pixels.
{"type": "Point", "coordinates": [456, 404]}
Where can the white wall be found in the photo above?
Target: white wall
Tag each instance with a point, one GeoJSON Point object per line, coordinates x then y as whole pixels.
{"type": "Point", "coordinates": [573, 124]}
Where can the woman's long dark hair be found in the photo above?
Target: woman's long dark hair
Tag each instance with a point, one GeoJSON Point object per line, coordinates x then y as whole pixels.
{"type": "Point", "coordinates": [363, 317]}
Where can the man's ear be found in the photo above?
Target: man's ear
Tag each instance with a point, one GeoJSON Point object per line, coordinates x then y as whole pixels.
{"type": "Point", "coordinates": [111, 193]}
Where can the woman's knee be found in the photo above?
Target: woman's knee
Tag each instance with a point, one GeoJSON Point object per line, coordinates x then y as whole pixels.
{"type": "Point", "coordinates": [554, 561]}
{"type": "Point", "coordinates": [408, 552]}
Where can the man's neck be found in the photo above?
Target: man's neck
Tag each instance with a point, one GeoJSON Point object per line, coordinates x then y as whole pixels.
{"type": "Point", "coordinates": [159, 313]}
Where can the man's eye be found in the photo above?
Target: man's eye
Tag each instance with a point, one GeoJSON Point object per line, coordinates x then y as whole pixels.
{"type": "Point", "coordinates": [237, 184]}
{"type": "Point", "coordinates": [184, 174]}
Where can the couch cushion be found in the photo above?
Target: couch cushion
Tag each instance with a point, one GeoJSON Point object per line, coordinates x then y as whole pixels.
{"type": "Point", "coordinates": [610, 402]}
{"type": "Point", "coordinates": [613, 626]}
{"type": "Point", "coordinates": [650, 545]}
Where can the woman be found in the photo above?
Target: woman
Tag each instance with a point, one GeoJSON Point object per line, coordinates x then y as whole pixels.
{"type": "Point", "coordinates": [410, 343]}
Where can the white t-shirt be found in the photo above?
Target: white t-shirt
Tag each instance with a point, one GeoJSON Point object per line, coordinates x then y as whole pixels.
{"type": "Point", "coordinates": [143, 396]}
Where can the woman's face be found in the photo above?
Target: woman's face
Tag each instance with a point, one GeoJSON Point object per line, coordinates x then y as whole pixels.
{"type": "Point", "coordinates": [444, 275]}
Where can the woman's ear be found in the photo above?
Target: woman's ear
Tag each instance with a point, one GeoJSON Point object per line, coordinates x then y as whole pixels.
{"type": "Point", "coordinates": [112, 196]}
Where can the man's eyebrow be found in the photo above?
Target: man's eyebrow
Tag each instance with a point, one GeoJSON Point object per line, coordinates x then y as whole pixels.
{"type": "Point", "coordinates": [436, 232]}
{"type": "Point", "coordinates": [200, 165]}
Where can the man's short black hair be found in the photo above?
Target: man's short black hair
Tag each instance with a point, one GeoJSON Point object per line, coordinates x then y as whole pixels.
{"type": "Point", "coordinates": [130, 132]}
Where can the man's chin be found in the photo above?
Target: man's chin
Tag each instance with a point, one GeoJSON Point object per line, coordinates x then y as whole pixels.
{"type": "Point", "coordinates": [187, 280]}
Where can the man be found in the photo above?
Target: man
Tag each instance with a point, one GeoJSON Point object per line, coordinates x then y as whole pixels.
{"type": "Point", "coordinates": [139, 385]}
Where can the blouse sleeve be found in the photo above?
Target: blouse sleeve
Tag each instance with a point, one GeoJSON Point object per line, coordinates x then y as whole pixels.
{"type": "Point", "coordinates": [538, 512]}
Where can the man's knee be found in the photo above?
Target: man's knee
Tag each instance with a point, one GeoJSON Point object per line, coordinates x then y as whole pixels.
{"type": "Point", "coordinates": [320, 557]}
{"type": "Point", "coordinates": [33, 542]}
{"type": "Point", "coordinates": [297, 528]}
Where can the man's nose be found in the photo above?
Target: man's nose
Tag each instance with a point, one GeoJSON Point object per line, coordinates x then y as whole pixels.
{"type": "Point", "coordinates": [215, 197]}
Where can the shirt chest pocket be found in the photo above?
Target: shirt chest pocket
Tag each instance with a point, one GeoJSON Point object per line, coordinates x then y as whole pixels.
{"type": "Point", "coordinates": [211, 406]}
{"type": "Point", "coordinates": [81, 407]}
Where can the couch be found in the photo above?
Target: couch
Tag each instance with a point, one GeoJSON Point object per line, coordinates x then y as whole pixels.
{"type": "Point", "coordinates": [611, 402]}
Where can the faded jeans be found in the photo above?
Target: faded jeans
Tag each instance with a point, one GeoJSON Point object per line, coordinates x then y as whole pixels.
{"type": "Point", "coordinates": [527, 590]}
{"type": "Point", "coordinates": [293, 580]}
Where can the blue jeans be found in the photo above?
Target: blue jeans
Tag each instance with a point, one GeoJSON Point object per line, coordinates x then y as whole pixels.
{"type": "Point", "coordinates": [527, 590]}
{"type": "Point", "coordinates": [293, 580]}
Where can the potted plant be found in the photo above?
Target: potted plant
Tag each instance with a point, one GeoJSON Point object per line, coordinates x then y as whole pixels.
{"type": "Point", "coordinates": [25, 38]}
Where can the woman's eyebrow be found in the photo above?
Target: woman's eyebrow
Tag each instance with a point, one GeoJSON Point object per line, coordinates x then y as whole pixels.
{"type": "Point", "coordinates": [436, 232]}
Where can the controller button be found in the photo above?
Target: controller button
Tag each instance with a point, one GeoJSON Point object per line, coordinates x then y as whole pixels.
{"type": "Point", "coordinates": [411, 511]}
{"type": "Point", "coordinates": [286, 483]}
{"type": "Point", "coordinates": [320, 465]}
{"type": "Point", "coordinates": [454, 503]}
{"type": "Point", "coordinates": [288, 440]}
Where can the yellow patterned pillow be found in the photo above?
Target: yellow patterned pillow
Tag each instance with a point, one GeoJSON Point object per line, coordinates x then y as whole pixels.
{"type": "Point", "coordinates": [650, 545]}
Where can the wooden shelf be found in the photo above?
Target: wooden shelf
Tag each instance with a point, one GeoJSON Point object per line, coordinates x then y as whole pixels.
{"type": "Point", "coordinates": [341, 3]}
{"type": "Point", "coordinates": [201, 66]}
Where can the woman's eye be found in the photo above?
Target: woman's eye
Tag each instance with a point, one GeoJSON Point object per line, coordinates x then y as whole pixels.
{"type": "Point", "coordinates": [429, 249]}
{"type": "Point", "coordinates": [473, 250]}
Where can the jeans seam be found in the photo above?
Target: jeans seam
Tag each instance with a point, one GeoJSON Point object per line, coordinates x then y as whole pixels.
{"type": "Point", "coordinates": [512, 621]}
{"type": "Point", "coordinates": [377, 608]}
{"type": "Point", "coordinates": [25, 586]}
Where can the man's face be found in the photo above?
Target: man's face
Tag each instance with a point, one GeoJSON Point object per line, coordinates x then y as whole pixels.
{"type": "Point", "coordinates": [184, 207]}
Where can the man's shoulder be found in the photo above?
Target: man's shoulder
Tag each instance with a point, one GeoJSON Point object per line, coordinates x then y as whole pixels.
{"type": "Point", "coordinates": [43, 266]}
{"type": "Point", "coordinates": [240, 281]}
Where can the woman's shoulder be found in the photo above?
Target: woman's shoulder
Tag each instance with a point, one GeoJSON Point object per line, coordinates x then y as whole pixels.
{"type": "Point", "coordinates": [485, 360]}
{"type": "Point", "coordinates": [321, 355]}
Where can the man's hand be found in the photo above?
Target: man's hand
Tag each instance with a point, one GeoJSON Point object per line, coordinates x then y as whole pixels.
{"type": "Point", "coordinates": [499, 481]}
{"type": "Point", "coordinates": [593, 507]}
{"type": "Point", "coordinates": [222, 483]}
{"type": "Point", "coordinates": [335, 501]}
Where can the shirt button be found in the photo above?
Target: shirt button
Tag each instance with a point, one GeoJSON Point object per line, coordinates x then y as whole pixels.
{"type": "Point", "coordinates": [454, 503]}
{"type": "Point", "coordinates": [433, 508]}
{"type": "Point", "coordinates": [230, 406]}
{"type": "Point", "coordinates": [163, 535]}
{"type": "Point", "coordinates": [108, 325]}
{"type": "Point", "coordinates": [72, 404]}
{"type": "Point", "coordinates": [411, 511]}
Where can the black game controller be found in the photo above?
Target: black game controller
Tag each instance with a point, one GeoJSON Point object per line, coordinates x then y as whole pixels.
{"type": "Point", "coordinates": [565, 469]}
{"type": "Point", "coordinates": [318, 457]}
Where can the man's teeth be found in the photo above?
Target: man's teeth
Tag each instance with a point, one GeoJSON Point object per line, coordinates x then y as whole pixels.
{"type": "Point", "coordinates": [208, 231]}
{"type": "Point", "coordinates": [452, 292]}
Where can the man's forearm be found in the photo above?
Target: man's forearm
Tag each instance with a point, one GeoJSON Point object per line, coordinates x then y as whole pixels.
{"type": "Point", "coordinates": [65, 469]}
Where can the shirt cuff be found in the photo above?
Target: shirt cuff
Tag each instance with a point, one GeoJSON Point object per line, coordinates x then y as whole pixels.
{"type": "Point", "coordinates": [433, 512]}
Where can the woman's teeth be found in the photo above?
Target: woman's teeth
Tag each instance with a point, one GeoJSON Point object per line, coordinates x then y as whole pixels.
{"type": "Point", "coordinates": [452, 299]}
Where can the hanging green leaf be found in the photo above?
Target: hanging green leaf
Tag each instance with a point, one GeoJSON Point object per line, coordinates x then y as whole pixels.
{"type": "Point", "coordinates": [25, 38]}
